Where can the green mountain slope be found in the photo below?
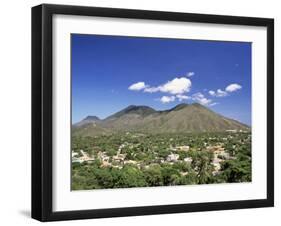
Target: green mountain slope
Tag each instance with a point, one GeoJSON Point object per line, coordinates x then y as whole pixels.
{"type": "Point", "coordinates": [181, 118]}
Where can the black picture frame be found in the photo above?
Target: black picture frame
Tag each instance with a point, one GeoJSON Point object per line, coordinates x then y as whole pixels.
{"type": "Point", "coordinates": [42, 111]}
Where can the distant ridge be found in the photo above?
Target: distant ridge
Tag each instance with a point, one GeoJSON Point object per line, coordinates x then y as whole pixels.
{"type": "Point", "coordinates": [133, 109]}
{"type": "Point", "coordinates": [177, 107]}
{"type": "Point", "coordinates": [88, 120]}
{"type": "Point", "coordinates": [181, 118]}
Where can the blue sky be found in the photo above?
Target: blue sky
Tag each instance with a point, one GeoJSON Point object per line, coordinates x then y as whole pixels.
{"type": "Point", "coordinates": [111, 72]}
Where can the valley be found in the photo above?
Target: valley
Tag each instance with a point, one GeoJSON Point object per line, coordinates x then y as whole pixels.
{"type": "Point", "coordinates": [145, 160]}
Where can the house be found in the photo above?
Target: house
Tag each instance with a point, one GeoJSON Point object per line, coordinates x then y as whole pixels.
{"type": "Point", "coordinates": [183, 148]}
{"type": "Point", "coordinates": [172, 157]}
{"type": "Point", "coordinates": [224, 155]}
{"type": "Point", "coordinates": [117, 166]}
{"type": "Point", "coordinates": [119, 157]}
{"type": "Point", "coordinates": [74, 159]}
{"type": "Point", "coordinates": [105, 164]}
{"type": "Point", "coordinates": [103, 157]}
{"type": "Point", "coordinates": [188, 159]}
{"type": "Point", "coordinates": [85, 157]}
{"type": "Point", "coordinates": [217, 167]}
{"type": "Point", "coordinates": [231, 130]}
{"type": "Point", "coordinates": [217, 149]}
{"type": "Point", "coordinates": [73, 154]}
{"type": "Point", "coordinates": [183, 173]}
{"type": "Point", "coordinates": [130, 162]}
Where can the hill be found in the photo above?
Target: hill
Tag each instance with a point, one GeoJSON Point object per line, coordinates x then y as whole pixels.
{"type": "Point", "coordinates": [182, 118]}
{"type": "Point", "coordinates": [88, 120]}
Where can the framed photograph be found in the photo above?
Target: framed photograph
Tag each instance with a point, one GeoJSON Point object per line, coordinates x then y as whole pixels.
{"type": "Point", "coordinates": [145, 112]}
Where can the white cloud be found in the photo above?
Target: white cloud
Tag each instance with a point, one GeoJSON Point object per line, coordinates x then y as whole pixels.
{"type": "Point", "coordinates": [229, 89]}
{"type": "Point", "coordinates": [176, 86]}
{"type": "Point", "coordinates": [167, 99]}
{"type": "Point", "coordinates": [218, 93]}
{"type": "Point", "coordinates": [151, 89]}
{"type": "Point", "coordinates": [137, 86]}
{"type": "Point", "coordinates": [182, 97]}
{"type": "Point", "coordinates": [190, 74]}
{"type": "Point", "coordinates": [233, 87]}
{"type": "Point", "coordinates": [212, 93]}
{"type": "Point", "coordinates": [213, 104]}
{"type": "Point", "coordinates": [200, 98]}
{"type": "Point", "coordinates": [221, 93]}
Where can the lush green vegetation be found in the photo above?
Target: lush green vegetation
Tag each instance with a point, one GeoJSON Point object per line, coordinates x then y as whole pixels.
{"type": "Point", "coordinates": [141, 160]}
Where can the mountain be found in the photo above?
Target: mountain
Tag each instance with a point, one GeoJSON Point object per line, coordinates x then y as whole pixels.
{"type": "Point", "coordinates": [93, 118]}
{"type": "Point", "coordinates": [182, 118]}
{"type": "Point", "coordinates": [88, 120]}
{"type": "Point", "coordinates": [133, 109]}
{"type": "Point", "coordinates": [177, 107]}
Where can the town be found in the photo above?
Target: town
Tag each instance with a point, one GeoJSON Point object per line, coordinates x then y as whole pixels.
{"type": "Point", "coordinates": [141, 160]}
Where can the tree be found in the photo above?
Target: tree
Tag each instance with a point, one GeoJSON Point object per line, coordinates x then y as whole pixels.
{"type": "Point", "coordinates": [169, 174]}
{"type": "Point", "coordinates": [153, 176]}
{"type": "Point", "coordinates": [236, 170]}
{"type": "Point", "coordinates": [202, 163]}
{"type": "Point", "coordinates": [130, 176]}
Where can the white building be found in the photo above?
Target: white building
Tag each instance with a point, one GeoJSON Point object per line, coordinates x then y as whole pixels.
{"type": "Point", "coordinates": [188, 159]}
{"type": "Point", "coordinates": [183, 148]}
{"type": "Point", "coordinates": [73, 154]}
{"type": "Point", "coordinates": [172, 157]}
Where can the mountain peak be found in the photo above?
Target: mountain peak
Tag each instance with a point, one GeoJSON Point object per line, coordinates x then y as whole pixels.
{"type": "Point", "coordinates": [134, 109]}
{"type": "Point", "coordinates": [91, 118]}
{"type": "Point", "coordinates": [195, 104]}
{"type": "Point", "coordinates": [130, 107]}
{"type": "Point", "coordinates": [88, 120]}
{"type": "Point", "coordinates": [179, 107]}
{"type": "Point", "coordinates": [140, 109]}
